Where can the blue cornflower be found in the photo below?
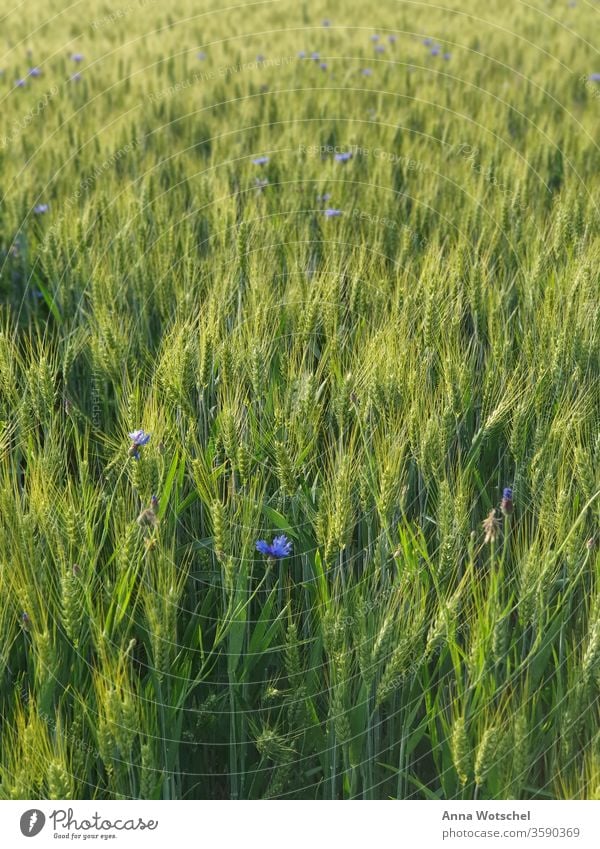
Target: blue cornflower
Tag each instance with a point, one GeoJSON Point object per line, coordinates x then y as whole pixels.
{"type": "Point", "coordinates": [392, 39]}
{"type": "Point", "coordinates": [506, 505]}
{"type": "Point", "coordinates": [260, 160]}
{"type": "Point", "coordinates": [343, 157]}
{"type": "Point", "coordinates": [427, 42]}
{"type": "Point", "coordinates": [379, 48]}
{"type": "Point", "coordinates": [279, 548]}
{"type": "Point", "coordinates": [435, 51]}
{"type": "Point", "coordinates": [326, 22]}
{"type": "Point", "coordinates": [366, 72]}
{"type": "Point", "coordinates": [260, 58]}
{"type": "Point", "coordinates": [314, 56]}
{"type": "Point", "coordinates": [20, 83]}
{"type": "Point", "coordinates": [35, 72]}
{"type": "Point", "coordinates": [447, 56]}
{"type": "Point", "coordinates": [77, 57]}
{"type": "Point", "coordinates": [375, 37]}
{"type": "Point", "coordinates": [332, 213]}
{"type": "Point", "coordinates": [323, 66]}
{"type": "Point", "coordinates": [201, 55]}
{"type": "Point", "coordinates": [40, 208]}
{"type": "Point", "coordinates": [324, 198]}
{"type": "Point", "coordinates": [139, 438]}
{"type": "Point", "coordinates": [75, 77]}
{"type": "Point", "coordinates": [595, 78]}
{"type": "Point", "coordinates": [302, 54]}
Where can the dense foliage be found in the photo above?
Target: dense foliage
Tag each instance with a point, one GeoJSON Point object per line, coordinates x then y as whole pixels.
{"type": "Point", "coordinates": [359, 353]}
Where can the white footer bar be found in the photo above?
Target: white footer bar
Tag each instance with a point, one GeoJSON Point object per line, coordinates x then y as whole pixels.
{"type": "Point", "coordinates": [299, 824]}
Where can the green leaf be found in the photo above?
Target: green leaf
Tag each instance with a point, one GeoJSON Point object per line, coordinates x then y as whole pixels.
{"type": "Point", "coordinates": [280, 522]}
{"type": "Point", "coordinates": [164, 498]}
{"type": "Point", "coordinates": [48, 299]}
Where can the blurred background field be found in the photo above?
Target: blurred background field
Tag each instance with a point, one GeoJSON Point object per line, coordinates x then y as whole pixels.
{"type": "Point", "coordinates": [342, 265]}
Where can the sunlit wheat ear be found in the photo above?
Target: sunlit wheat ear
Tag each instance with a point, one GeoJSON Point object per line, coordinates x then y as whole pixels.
{"type": "Point", "coordinates": [461, 750]}
{"type": "Point", "coordinates": [72, 603]}
{"type": "Point", "coordinates": [398, 666]}
{"type": "Point", "coordinates": [273, 747]}
{"type": "Point", "coordinates": [59, 781]}
{"type": "Point", "coordinates": [218, 518]}
{"type": "Point", "coordinates": [590, 663]}
{"type": "Point", "coordinates": [486, 756]}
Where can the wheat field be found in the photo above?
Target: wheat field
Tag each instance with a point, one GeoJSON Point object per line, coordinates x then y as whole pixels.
{"type": "Point", "coordinates": [299, 400]}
